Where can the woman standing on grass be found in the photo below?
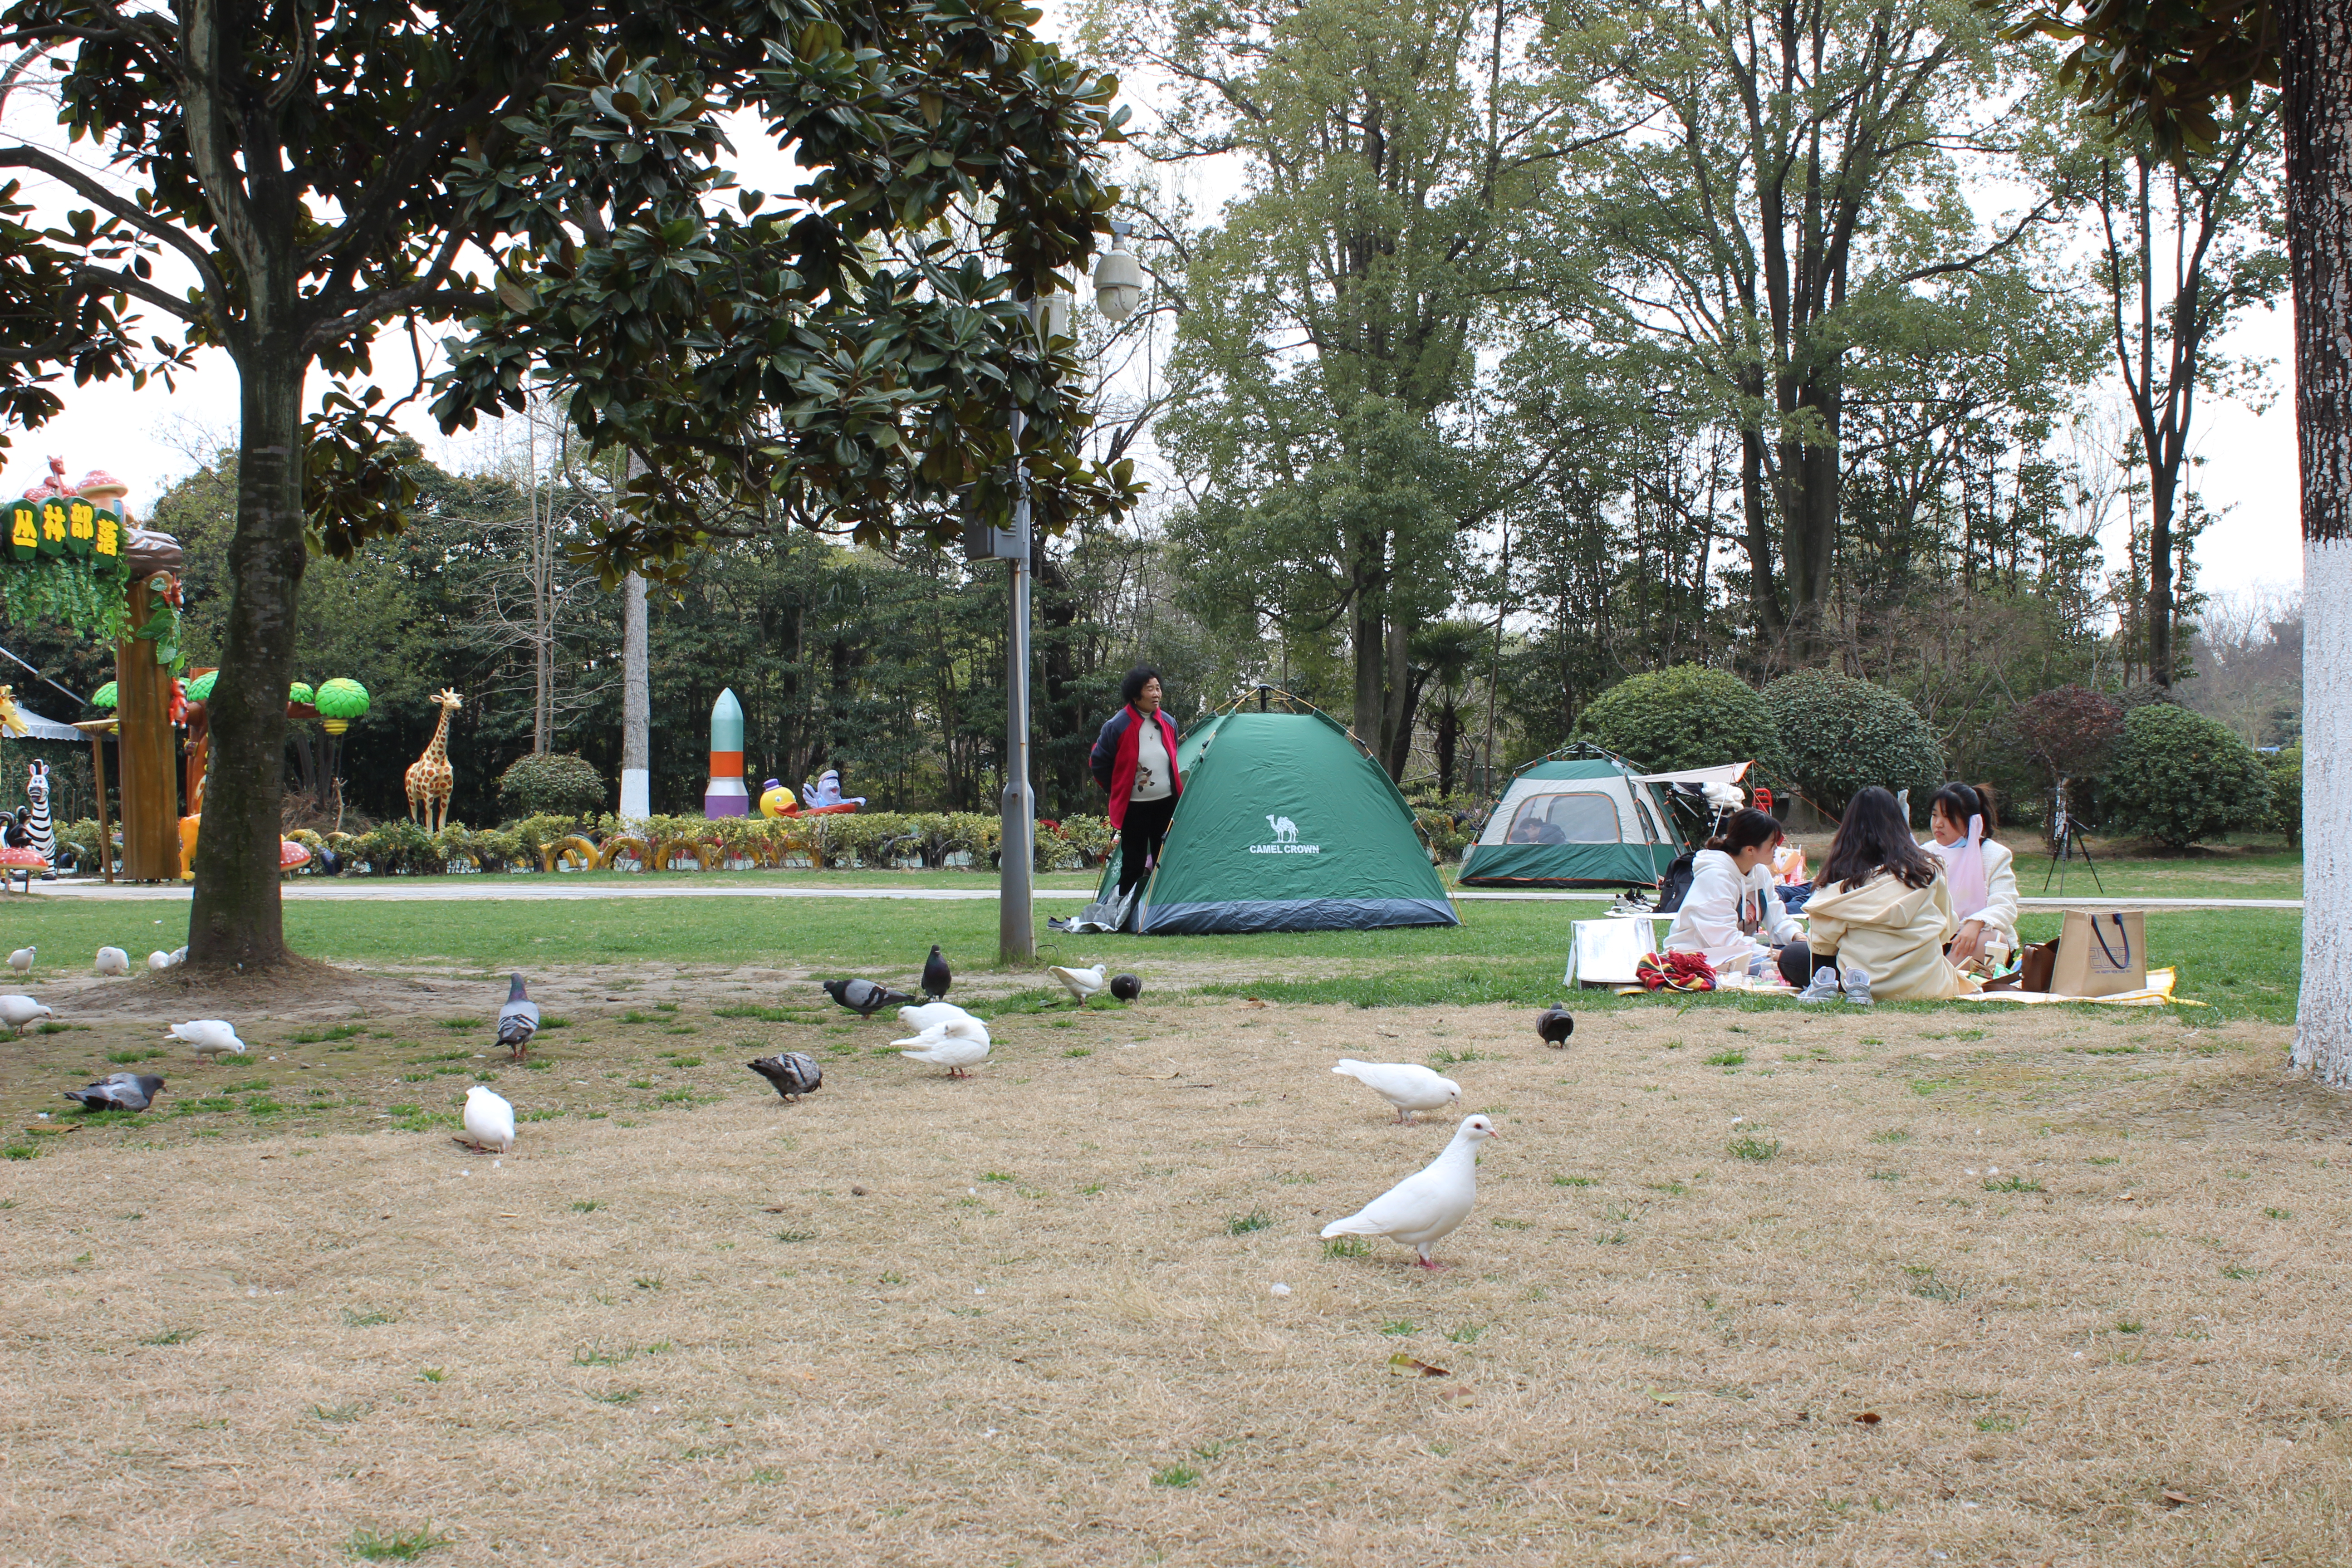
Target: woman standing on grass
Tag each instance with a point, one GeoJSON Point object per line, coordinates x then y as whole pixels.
{"type": "Point", "coordinates": [1881, 912]}
{"type": "Point", "coordinates": [1135, 759]}
{"type": "Point", "coordinates": [1980, 871]}
{"type": "Point", "coordinates": [1732, 899]}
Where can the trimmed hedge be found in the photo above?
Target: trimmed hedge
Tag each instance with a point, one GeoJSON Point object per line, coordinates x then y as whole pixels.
{"type": "Point", "coordinates": [1843, 735]}
{"type": "Point", "coordinates": [2286, 793]}
{"type": "Point", "coordinates": [1686, 717]}
{"type": "Point", "coordinates": [2179, 776]}
{"type": "Point", "coordinates": [558, 785]}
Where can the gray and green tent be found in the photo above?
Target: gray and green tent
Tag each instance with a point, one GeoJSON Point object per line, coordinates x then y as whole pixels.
{"type": "Point", "coordinates": [1284, 824]}
{"type": "Point", "coordinates": [1580, 821]}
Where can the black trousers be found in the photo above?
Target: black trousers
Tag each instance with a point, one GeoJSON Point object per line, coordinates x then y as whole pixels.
{"type": "Point", "coordinates": [1799, 960]}
{"type": "Point", "coordinates": [1140, 837]}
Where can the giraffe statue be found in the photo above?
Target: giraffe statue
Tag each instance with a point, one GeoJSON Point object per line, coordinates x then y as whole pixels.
{"type": "Point", "coordinates": [429, 779]}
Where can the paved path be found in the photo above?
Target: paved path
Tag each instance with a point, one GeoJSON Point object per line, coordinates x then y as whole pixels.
{"type": "Point", "coordinates": [680, 886]}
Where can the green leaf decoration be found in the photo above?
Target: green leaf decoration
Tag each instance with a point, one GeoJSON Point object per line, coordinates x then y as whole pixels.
{"type": "Point", "coordinates": [342, 699]}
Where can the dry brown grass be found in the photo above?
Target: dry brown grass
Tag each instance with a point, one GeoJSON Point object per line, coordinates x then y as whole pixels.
{"type": "Point", "coordinates": [1023, 1318]}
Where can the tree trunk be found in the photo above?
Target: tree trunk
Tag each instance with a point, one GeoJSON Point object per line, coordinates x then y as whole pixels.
{"type": "Point", "coordinates": [1449, 737]}
{"type": "Point", "coordinates": [237, 922]}
{"type": "Point", "coordinates": [2316, 50]}
{"type": "Point", "coordinates": [1366, 629]}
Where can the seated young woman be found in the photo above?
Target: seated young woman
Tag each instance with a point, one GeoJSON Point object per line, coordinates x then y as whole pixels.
{"type": "Point", "coordinates": [1979, 870]}
{"type": "Point", "coordinates": [1731, 900]}
{"type": "Point", "coordinates": [1881, 911]}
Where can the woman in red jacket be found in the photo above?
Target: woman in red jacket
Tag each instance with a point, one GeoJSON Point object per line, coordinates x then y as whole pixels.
{"type": "Point", "coordinates": [1135, 759]}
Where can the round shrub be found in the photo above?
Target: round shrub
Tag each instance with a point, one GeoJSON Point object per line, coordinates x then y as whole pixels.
{"type": "Point", "coordinates": [558, 784]}
{"type": "Point", "coordinates": [1843, 735]}
{"type": "Point", "coordinates": [2286, 793]}
{"type": "Point", "coordinates": [1686, 717]}
{"type": "Point", "coordinates": [2178, 778]}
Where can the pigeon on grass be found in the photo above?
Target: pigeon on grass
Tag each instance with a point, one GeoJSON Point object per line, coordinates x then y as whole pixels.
{"type": "Point", "coordinates": [489, 1121]}
{"type": "Point", "coordinates": [1430, 1205]}
{"type": "Point", "coordinates": [794, 1073]}
{"type": "Point", "coordinates": [935, 975]}
{"type": "Point", "coordinates": [1082, 984]}
{"type": "Point", "coordinates": [1405, 1085]}
{"type": "Point", "coordinates": [118, 1091]}
{"type": "Point", "coordinates": [863, 998]}
{"type": "Point", "coordinates": [158, 962]}
{"type": "Point", "coordinates": [1126, 987]}
{"type": "Point", "coordinates": [1554, 1024]}
{"type": "Point", "coordinates": [113, 961]}
{"type": "Point", "coordinates": [517, 1020]}
{"type": "Point", "coordinates": [212, 1038]}
{"type": "Point", "coordinates": [21, 961]}
{"type": "Point", "coordinates": [18, 1010]}
{"type": "Point", "coordinates": [945, 1017]}
{"type": "Point", "coordinates": [954, 1046]}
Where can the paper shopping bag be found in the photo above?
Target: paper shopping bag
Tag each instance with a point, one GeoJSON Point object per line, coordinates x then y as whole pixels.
{"type": "Point", "coordinates": [2101, 952]}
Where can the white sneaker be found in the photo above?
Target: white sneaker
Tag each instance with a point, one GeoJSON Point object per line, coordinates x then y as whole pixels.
{"type": "Point", "coordinates": [1858, 985]}
{"type": "Point", "coordinates": [1822, 987]}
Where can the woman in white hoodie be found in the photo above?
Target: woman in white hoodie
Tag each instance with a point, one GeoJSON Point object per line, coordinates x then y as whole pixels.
{"type": "Point", "coordinates": [1980, 871]}
{"type": "Point", "coordinates": [1731, 905]}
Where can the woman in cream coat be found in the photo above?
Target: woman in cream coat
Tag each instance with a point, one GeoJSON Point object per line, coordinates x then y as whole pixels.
{"type": "Point", "coordinates": [1880, 904]}
{"type": "Point", "coordinates": [1980, 870]}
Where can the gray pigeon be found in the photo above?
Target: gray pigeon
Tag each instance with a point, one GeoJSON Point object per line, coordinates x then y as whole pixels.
{"type": "Point", "coordinates": [118, 1091]}
{"type": "Point", "coordinates": [863, 998]}
{"type": "Point", "coordinates": [517, 1020]}
{"type": "Point", "coordinates": [935, 975]}
{"type": "Point", "coordinates": [1126, 987]}
{"type": "Point", "coordinates": [1554, 1025]}
{"type": "Point", "coordinates": [794, 1073]}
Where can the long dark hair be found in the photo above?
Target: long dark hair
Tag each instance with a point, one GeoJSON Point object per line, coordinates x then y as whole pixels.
{"type": "Point", "coordinates": [1137, 680]}
{"type": "Point", "coordinates": [1745, 829]}
{"type": "Point", "coordinates": [1962, 802]}
{"type": "Point", "coordinates": [1872, 837]}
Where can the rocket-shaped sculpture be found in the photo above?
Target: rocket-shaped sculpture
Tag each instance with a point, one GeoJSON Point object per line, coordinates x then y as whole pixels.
{"type": "Point", "coordinates": [726, 797]}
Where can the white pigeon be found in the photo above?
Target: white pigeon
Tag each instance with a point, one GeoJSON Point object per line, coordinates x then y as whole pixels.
{"type": "Point", "coordinates": [953, 1050]}
{"type": "Point", "coordinates": [489, 1121]}
{"type": "Point", "coordinates": [21, 961]}
{"type": "Point", "coordinates": [1405, 1085]}
{"type": "Point", "coordinates": [180, 954]}
{"type": "Point", "coordinates": [18, 1010]}
{"type": "Point", "coordinates": [1081, 984]}
{"type": "Point", "coordinates": [1430, 1205]}
{"type": "Point", "coordinates": [947, 1017]}
{"type": "Point", "coordinates": [113, 961]}
{"type": "Point", "coordinates": [159, 960]}
{"type": "Point", "coordinates": [212, 1038]}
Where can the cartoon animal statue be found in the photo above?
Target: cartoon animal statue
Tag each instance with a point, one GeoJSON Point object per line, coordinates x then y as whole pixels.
{"type": "Point", "coordinates": [430, 781]}
{"type": "Point", "coordinates": [827, 793]}
{"type": "Point", "coordinates": [38, 826]}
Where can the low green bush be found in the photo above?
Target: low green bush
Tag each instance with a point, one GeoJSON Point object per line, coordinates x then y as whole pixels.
{"type": "Point", "coordinates": [2285, 772]}
{"type": "Point", "coordinates": [2179, 776]}
{"type": "Point", "coordinates": [557, 784]}
{"type": "Point", "coordinates": [1686, 717]}
{"type": "Point", "coordinates": [1843, 735]}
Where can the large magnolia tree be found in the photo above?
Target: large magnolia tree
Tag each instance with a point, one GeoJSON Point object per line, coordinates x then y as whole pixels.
{"type": "Point", "coordinates": [2163, 67]}
{"type": "Point", "coordinates": [291, 181]}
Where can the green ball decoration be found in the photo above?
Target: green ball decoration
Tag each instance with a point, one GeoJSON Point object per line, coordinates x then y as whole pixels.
{"type": "Point", "coordinates": [103, 697]}
{"type": "Point", "coordinates": [200, 690]}
{"type": "Point", "coordinates": [300, 692]}
{"type": "Point", "coordinates": [340, 702]}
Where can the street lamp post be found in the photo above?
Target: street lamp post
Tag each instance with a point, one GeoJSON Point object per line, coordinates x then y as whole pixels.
{"type": "Point", "coordinates": [1119, 288]}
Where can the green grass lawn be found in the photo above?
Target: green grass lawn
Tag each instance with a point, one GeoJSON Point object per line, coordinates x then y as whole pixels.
{"type": "Point", "coordinates": [2243, 963]}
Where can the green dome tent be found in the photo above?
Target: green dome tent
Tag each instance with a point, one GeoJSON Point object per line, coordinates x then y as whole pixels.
{"type": "Point", "coordinates": [1284, 824]}
{"type": "Point", "coordinates": [1587, 819]}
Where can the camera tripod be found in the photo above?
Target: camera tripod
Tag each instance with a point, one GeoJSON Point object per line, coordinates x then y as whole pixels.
{"type": "Point", "coordinates": [2065, 843]}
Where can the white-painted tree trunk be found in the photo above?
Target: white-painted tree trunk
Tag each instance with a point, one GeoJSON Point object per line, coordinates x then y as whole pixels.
{"type": "Point", "coordinates": [636, 705]}
{"type": "Point", "coordinates": [2315, 64]}
{"type": "Point", "coordinates": [2323, 1029]}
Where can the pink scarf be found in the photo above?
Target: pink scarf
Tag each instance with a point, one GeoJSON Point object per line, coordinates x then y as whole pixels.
{"type": "Point", "coordinates": [1964, 871]}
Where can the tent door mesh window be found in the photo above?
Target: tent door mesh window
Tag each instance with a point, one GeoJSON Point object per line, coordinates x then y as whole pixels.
{"type": "Point", "coordinates": [1585, 818]}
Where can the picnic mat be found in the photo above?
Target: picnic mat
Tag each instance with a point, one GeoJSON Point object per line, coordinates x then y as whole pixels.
{"type": "Point", "coordinates": [2157, 993]}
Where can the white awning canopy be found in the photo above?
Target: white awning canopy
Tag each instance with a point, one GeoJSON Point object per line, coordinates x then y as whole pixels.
{"type": "Point", "coordinates": [1726, 774]}
{"type": "Point", "coordinates": [42, 728]}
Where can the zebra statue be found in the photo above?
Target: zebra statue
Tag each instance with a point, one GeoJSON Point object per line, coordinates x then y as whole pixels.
{"type": "Point", "coordinates": [38, 826]}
